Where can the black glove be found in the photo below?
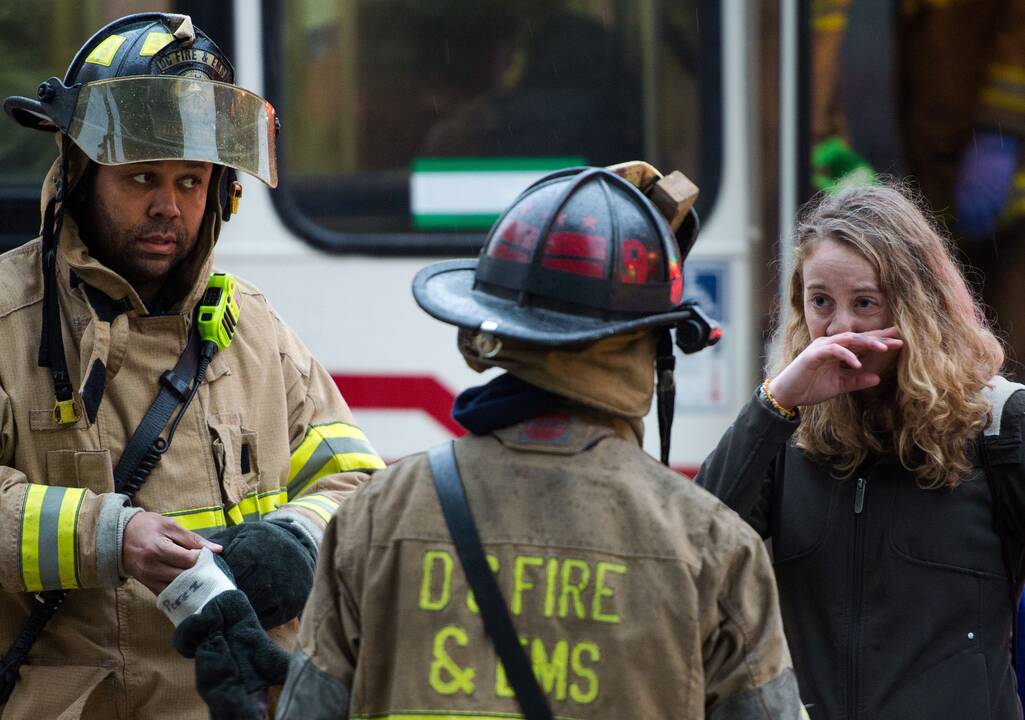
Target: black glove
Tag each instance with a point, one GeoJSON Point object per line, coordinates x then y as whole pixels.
{"type": "Point", "coordinates": [273, 563]}
{"type": "Point", "coordinates": [235, 660]}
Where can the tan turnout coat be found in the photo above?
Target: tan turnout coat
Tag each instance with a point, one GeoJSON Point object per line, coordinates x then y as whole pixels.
{"type": "Point", "coordinates": [267, 430]}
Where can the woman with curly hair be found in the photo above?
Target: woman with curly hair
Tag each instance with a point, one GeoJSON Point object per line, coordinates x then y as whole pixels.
{"type": "Point", "coordinates": [882, 457]}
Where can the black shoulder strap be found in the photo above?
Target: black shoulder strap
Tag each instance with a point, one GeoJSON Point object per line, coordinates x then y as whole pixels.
{"type": "Point", "coordinates": [493, 609]}
{"type": "Point", "coordinates": [174, 389]}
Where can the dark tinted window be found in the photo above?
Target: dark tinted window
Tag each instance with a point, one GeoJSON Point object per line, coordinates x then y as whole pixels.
{"type": "Point", "coordinates": [408, 125]}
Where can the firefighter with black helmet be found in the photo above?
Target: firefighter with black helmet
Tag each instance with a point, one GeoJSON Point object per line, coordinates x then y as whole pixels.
{"type": "Point", "coordinates": [162, 431]}
{"type": "Point", "coordinates": [623, 590]}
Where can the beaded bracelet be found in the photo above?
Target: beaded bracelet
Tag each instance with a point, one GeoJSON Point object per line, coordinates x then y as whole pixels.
{"type": "Point", "coordinates": [788, 414]}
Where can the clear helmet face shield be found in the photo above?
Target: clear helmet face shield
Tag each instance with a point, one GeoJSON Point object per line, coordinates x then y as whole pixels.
{"type": "Point", "coordinates": [148, 118]}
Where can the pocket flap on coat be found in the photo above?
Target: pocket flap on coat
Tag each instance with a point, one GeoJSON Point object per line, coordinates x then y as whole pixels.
{"type": "Point", "coordinates": [235, 455]}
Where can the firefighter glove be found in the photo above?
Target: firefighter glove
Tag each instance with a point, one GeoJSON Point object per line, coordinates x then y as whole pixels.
{"type": "Point", "coordinates": [273, 563]}
{"type": "Point", "coordinates": [235, 660]}
{"type": "Point", "coordinates": [984, 179]}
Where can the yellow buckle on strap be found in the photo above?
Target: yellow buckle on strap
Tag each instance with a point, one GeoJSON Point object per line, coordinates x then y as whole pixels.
{"type": "Point", "coordinates": [234, 196]}
{"type": "Point", "coordinates": [64, 412]}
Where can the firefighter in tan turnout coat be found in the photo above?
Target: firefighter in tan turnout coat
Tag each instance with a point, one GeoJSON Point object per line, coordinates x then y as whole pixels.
{"type": "Point", "coordinates": [634, 593]}
{"type": "Point", "coordinates": [267, 444]}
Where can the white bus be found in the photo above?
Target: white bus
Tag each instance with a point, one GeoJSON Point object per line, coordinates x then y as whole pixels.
{"type": "Point", "coordinates": [407, 125]}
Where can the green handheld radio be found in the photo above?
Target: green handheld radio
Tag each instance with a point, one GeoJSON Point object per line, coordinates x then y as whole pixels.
{"type": "Point", "coordinates": [216, 319]}
{"type": "Point", "coordinates": [218, 312]}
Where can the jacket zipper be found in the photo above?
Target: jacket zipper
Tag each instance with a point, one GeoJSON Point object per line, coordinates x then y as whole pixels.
{"type": "Point", "coordinates": [854, 632]}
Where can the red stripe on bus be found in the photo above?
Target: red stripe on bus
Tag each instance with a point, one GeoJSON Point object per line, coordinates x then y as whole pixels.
{"type": "Point", "coordinates": [401, 392]}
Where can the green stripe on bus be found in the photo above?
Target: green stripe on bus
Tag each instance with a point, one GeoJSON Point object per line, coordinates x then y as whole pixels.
{"type": "Point", "coordinates": [444, 220]}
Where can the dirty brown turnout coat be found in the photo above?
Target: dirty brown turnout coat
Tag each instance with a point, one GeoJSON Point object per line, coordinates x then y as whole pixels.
{"type": "Point", "coordinates": [635, 593]}
{"type": "Point", "coordinates": [268, 430]}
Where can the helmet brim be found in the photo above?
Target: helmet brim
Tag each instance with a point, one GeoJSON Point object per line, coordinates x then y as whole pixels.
{"type": "Point", "coordinates": [29, 113]}
{"type": "Point", "coordinates": [445, 291]}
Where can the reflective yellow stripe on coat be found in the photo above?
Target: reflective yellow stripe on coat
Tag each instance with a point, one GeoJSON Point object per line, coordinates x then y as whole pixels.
{"type": "Point", "coordinates": [203, 521]}
{"type": "Point", "coordinates": [255, 507]}
{"type": "Point", "coordinates": [49, 537]}
{"type": "Point", "coordinates": [206, 521]}
{"type": "Point", "coordinates": [328, 449]}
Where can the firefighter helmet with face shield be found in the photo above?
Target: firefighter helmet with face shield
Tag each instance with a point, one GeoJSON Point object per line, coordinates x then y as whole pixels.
{"type": "Point", "coordinates": [151, 87]}
{"type": "Point", "coordinates": [148, 87]}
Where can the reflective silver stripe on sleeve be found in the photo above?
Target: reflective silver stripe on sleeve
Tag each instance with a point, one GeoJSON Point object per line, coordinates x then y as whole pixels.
{"type": "Point", "coordinates": [49, 523]}
{"type": "Point", "coordinates": [310, 693]}
{"type": "Point", "coordinates": [775, 700]}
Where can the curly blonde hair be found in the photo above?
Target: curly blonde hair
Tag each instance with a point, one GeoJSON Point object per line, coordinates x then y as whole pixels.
{"type": "Point", "coordinates": [935, 411]}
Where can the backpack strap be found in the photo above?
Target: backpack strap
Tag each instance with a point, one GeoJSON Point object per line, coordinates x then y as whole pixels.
{"type": "Point", "coordinates": [1000, 442]}
{"type": "Point", "coordinates": [997, 393]}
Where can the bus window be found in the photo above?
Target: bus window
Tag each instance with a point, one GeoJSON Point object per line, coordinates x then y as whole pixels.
{"type": "Point", "coordinates": [38, 40]}
{"type": "Point", "coordinates": [408, 125]}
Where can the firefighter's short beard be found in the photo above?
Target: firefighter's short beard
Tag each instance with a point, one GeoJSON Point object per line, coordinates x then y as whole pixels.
{"type": "Point", "coordinates": [112, 244]}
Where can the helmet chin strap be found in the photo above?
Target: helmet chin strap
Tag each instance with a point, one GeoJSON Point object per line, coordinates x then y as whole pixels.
{"type": "Point", "coordinates": [665, 390]}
